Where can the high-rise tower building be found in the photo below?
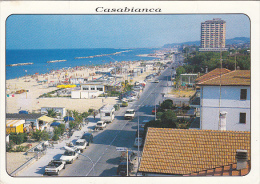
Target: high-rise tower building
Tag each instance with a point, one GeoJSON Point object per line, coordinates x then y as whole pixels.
{"type": "Point", "coordinates": [213, 35]}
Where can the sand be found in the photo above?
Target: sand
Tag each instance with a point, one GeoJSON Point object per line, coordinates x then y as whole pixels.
{"type": "Point", "coordinates": [30, 100]}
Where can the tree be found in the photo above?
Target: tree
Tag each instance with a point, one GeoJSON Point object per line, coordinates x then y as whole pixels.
{"type": "Point", "coordinates": [52, 113]}
{"type": "Point", "coordinates": [168, 117]}
{"type": "Point", "coordinates": [180, 70]}
{"type": "Point", "coordinates": [167, 104]}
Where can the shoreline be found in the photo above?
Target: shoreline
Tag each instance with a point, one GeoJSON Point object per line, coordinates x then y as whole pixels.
{"type": "Point", "coordinates": [34, 88]}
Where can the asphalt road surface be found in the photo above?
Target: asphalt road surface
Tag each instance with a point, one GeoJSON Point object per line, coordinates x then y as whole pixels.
{"type": "Point", "coordinates": [101, 158]}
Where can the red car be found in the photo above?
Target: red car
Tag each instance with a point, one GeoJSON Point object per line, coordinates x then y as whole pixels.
{"type": "Point", "coordinates": [153, 111]}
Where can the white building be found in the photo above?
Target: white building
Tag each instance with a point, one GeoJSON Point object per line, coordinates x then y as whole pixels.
{"type": "Point", "coordinates": [61, 111]}
{"type": "Point", "coordinates": [91, 90]}
{"type": "Point", "coordinates": [232, 97]}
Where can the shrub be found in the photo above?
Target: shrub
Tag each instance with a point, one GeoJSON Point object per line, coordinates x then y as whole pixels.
{"type": "Point", "coordinates": [62, 128]}
{"type": "Point", "coordinates": [91, 110]}
{"type": "Point", "coordinates": [55, 137]}
{"type": "Point", "coordinates": [10, 146]}
{"type": "Point", "coordinates": [20, 149]}
{"type": "Point", "coordinates": [40, 135]}
{"type": "Point", "coordinates": [18, 138]}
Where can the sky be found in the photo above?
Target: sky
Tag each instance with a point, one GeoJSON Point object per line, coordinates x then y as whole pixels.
{"type": "Point", "coordinates": [113, 31]}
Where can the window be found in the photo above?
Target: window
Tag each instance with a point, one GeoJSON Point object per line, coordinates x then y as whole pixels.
{"type": "Point", "coordinates": [243, 94]}
{"type": "Point", "coordinates": [242, 117]}
{"type": "Point", "coordinates": [107, 114]}
{"type": "Point", "coordinates": [100, 89]}
{"type": "Point", "coordinates": [92, 89]}
{"type": "Point", "coordinates": [85, 88]}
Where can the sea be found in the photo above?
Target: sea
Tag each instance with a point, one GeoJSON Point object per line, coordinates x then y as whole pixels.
{"type": "Point", "coordinates": [73, 57]}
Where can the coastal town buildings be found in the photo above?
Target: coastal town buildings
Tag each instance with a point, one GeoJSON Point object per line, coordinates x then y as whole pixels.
{"type": "Point", "coordinates": [61, 111]}
{"type": "Point", "coordinates": [35, 121]}
{"type": "Point", "coordinates": [182, 152]}
{"type": "Point", "coordinates": [225, 100]}
{"type": "Point", "coordinates": [89, 90]}
{"type": "Point", "coordinates": [213, 35]}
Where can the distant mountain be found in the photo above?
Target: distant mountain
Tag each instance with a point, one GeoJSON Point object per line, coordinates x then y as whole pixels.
{"type": "Point", "coordinates": [236, 40]}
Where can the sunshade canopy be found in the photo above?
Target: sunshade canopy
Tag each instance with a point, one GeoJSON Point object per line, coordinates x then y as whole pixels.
{"type": "Point", "coordinates": [46, 119]}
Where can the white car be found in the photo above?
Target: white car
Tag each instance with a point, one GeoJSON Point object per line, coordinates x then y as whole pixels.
{"type": "Point", "coordinates": [69, 156]}
{"type": "Point", "coordinates": [54, 167]}
{"type": "Point", "coordinates": [129, 114]}
{"type": "Point", "coordinates": [140, 140]}
{"type": "Point", "coordinates": [81, 144]}
{"type": "Point", "coordinates": [101, 125]}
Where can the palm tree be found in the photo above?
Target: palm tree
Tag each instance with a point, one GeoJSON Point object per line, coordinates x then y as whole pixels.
{"type": "Point", "coordinates": [52, 113]}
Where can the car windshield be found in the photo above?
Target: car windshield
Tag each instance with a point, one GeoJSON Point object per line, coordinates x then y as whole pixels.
{"type": "Point", "coordinates": [130, 112]}
{"type": "Point", "coordinates": [80, 143]}
{"type": "Point", "coordinates": [99, 123]}
{"type": "Point", "coordinates": [68, 153]}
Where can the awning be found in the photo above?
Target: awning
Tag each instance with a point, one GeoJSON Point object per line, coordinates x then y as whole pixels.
{"type": "Point", "coordinates": [14, 123]}
{"type": "Point", "coordinates": [46, 119]}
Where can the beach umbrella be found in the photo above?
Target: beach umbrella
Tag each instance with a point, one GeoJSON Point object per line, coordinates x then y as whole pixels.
{"type": "Point", "coordinates": [55, 124]}
{"type": "Point", "coordinates": [23, 112]}
{"type": "Point", "coordinates": [69, 118]}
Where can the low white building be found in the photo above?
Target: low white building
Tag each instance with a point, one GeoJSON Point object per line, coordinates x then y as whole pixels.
{"type": "Point", "coordinates": [91, 90]}
{"type": "Point", "coordinates": [228, 95]}
{"type": "Point", "coordinates": [61, 111]}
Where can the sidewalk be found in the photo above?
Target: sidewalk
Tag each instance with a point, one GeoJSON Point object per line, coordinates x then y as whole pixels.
{"type": "Point", "coordinates": [37, 168]}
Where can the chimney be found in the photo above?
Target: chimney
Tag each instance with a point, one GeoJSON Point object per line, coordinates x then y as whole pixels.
{"type": "Point", "coordinates": [222, 120]}
{"type": "Point", "coordinates": [242, 158]}
{"type": "Point", "coordinates": [206, 69]}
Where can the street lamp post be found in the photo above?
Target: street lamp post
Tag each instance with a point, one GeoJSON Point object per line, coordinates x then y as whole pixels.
{"type": "Point", "coordinates": [154, 108]}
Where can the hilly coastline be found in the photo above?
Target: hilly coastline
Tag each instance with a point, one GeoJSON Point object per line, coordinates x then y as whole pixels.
{"type": "Point", "coordinates": [236, 40]}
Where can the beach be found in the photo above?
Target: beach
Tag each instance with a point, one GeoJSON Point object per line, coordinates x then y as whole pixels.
{"type": "Point", "coordinates": [31, 102]}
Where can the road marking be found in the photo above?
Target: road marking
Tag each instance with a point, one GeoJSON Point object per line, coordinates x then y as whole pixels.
{"type": "Point", "coordinates": [107, 148]}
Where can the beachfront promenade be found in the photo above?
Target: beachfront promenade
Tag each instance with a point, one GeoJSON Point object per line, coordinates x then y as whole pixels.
{"type": "Point", "coordinates": [30, 100]}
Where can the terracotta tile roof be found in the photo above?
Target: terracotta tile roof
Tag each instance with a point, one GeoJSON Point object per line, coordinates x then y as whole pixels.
{"type": "Point", "coordinates": [183, 152]}
{"type": "Point", "coordinates": [229, 170]}
{"type": "Point", "coordinates": [233, 78]}
{"type": "Point", "coordinates": [212, 74]}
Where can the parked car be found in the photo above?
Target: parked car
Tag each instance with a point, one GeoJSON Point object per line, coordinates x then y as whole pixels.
{"type": "Point", "coordinates": [101, 125]}
{"type": "Point", "coordinates": [138, 141]}
{"type": "Point", "coordinates": [129, 114]}
{"type": "Point", "coordinates": [141, 132]}
{"type": "Point", "coordinates": [124, 104]}
{"type": "Point", "coordinates": [142, 124]}
{"type": "Point", "coordinates": [54, 167]}
{"type": "Point", "coordinates": [81, 144]}
{"type": "Point", "coordinates": [155, 109]}
{"type": "Point", "coordinates": [156, 81]}
{"type": "Point", "coordinates": [122, 168]}
{"type": "Point", "coordinates": [88, 137]}
{"type": "Point", "coordinates": [131, 156]}
{"type": "Point", "coordinates": [69, 156]}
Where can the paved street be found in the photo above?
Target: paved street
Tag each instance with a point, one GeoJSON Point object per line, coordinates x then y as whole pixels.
{"type": "Point", "coordinates": [101, 157]}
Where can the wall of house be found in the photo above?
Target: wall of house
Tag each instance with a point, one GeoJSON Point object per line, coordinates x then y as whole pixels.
{"type": "Point", "coordinates": [75, 94]}
{"type": "Point", "coordinates": [230, 102]}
